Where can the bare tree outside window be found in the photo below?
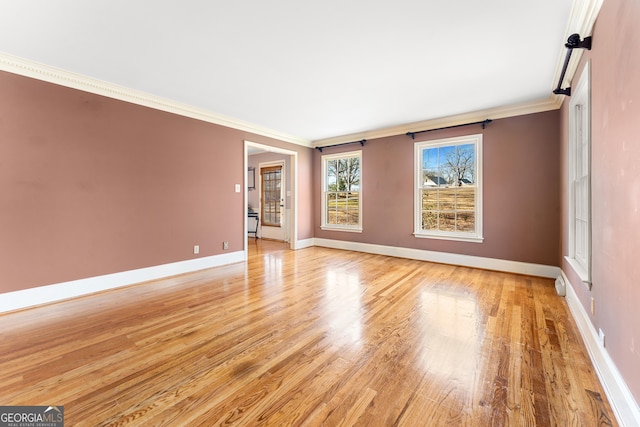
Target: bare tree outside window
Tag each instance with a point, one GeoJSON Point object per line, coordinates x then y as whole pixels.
{"type": "Point", "coordinates": [459, 165]}
{"type": "Point", "coordinates": [346, 173]}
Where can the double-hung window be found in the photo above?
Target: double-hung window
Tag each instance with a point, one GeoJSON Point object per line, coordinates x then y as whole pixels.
{"type": "Point", "coordinates": [448, 189]}
{"type": "Point", "coordinates": [342, 191]}
{"type": "Point", "coordinates": [580, 179]}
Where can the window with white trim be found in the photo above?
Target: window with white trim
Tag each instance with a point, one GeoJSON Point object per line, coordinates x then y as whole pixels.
{"type": "Point", "coordinates": [580, 179]}
{"type": "Point", "coordinates": [342, 191]}
{"type": "Point", "coordinates": [448, 189]}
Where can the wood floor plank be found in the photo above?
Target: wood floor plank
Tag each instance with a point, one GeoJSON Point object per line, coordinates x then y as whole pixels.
{"type": "Point", "coordinates": [314, 337]}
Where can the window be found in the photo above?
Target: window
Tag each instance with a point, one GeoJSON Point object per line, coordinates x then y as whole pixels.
{"type": "Point", "coordinates": [341, 192]}
{"type": "Point", "coordinates": [580, 180]}
{"type": "Point", "coordinates": [448, 189]}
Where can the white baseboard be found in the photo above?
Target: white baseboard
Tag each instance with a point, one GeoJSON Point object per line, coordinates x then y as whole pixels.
{"type": "Point", "coordinates": [306, 243]}
{"type": "Point", "coordinates": [60, 291]}
{"type": "Point", "coordinates": [624, 406]}
{"type": "Point", "coordinates": [445, 258]}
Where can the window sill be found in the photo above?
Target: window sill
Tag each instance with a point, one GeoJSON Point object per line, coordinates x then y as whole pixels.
{"type": "Point", "coordinates": [457, 238]}
{"type": "Point", "coordinates": [348, 230]}
{"type": "Point", "coordinates": [583, 274]}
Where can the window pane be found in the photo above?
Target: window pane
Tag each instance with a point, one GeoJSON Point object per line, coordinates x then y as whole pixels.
{"type": "Point", "coordinates": [353, 208]}
{"type": "Point", "coordinates": [447, 221]}
{"type": "Point", "coordinates": [341, 208]}
{"type": "Point", "coordinates": [466, 222]}
{"type": "Point", "coordinates": [429, 200]}
{"type": "Point", "coordinates": [429, 221]}
{"type": "Point", "coordinates": [331, 208]}
{"type": "Point", "coordinates": [466, 198]}
{"type": "Point", "coordinates": [430, 162]}
{"type": "Point", "coordinates": [447, 199]}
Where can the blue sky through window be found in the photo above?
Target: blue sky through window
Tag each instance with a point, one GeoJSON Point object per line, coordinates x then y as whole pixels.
{"type": "Point", "coordinates": [434, 159]}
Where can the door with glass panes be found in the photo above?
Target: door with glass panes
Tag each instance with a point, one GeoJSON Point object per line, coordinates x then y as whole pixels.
{"type": "Point", "coordinates": [272, 202]}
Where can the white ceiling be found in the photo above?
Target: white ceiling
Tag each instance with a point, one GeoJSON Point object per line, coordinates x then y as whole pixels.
{"type": "Point", "coordinates": [314, 69]}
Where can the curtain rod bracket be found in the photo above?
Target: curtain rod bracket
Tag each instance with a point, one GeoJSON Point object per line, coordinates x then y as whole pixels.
{"type": "Point", "coordinates": [573, 42]}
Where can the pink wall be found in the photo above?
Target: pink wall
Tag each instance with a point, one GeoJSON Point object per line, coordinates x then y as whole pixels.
{"type": "Point", "coordinates": [521, 194]}
{"type": "Point", "coordinates": [90, 185]}
{"type": "Point", "coordinates": [615, 98]}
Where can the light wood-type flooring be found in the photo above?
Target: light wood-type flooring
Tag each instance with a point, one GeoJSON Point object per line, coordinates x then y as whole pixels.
{"type": "Point", "coordinates": [310, 337]}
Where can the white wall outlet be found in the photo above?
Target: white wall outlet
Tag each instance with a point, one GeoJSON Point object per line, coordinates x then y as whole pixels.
{"type": "Point", "coordinates": [601, 337]}
{"type": "Point", "coordinates": [593, 306]}
{"type": "Point", "coordinates": [196, 249]}
{"type": "Point", "coordinates": [237, 188]}
{"type": "Point", "coordinates": [225, 245]}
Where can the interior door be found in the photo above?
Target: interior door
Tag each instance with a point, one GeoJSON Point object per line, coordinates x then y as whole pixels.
{"type": "Point", "coordinates": [272, 202]}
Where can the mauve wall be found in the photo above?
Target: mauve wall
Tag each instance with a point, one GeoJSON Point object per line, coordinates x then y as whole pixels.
{"type": "Point", "coordinates": [615, 98]}
{"type": "Point", "coordinates": [90, 185]}
{"type": "Point", "coordinates": [520, 191]}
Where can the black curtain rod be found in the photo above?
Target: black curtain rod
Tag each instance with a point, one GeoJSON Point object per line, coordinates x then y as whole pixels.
{"type": "Point", "coordinates": [573, 42]}
{"type": "Point", "coordinates": [484, 123]}
{"type": "Point", "coordinates": [361, 142]}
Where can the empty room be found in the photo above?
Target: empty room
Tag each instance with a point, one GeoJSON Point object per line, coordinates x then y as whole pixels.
{"type": "Point", "coordinates": [320, 213]}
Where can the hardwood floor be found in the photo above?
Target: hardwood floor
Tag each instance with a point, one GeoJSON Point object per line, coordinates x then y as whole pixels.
{"type": "Point", "coordinates": [312, 337]}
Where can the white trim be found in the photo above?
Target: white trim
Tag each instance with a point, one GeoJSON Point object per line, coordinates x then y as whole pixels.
{"type": "Point", "coordinates": [580, 137]}
{"type": "Point", "coordinates": [61, 291]}
{"type": "Point", "coordinates": [454, 237]}
{"type": "Point", "coordinates": [338, 228]}
{"type": "Point", "coordinates": [302, 244]}
{"type": "Point", "coordinates": [625, 408]}
{"type": "Point", "coordinates": [445, 258]}
{"type": "Point", "coordinates": [538, 106]}
{"type": "Point", "coordinates": [24, 67]}
{"type": "Point", "coordinates": [579, 270]}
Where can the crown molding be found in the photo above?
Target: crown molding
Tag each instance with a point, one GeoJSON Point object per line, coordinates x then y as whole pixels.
{"type": "Point", "coordinates": [32, 69]}
{"type": "Point", "coordinates": [581, 21]}
{"type": "Point", "coordinates": [548, 104]}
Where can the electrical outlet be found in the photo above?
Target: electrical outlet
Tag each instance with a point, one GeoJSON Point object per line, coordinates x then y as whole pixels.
{"type": "Point", "coordinates": [225, 245]}
{"type": "Point", "coordinates": [601, 337]}
{"type": "Point", "coordinates": [593, 306]}
{"type": "Point", "coordinates": [196, 249]}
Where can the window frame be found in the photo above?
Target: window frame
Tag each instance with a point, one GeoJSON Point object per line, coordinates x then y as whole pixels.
{"type": "Point", "coordinates": [338, 227]}
{"type": "Point", "coordinates": [580, 243]}
{"type": "Point", "coordinates": [476, 236]}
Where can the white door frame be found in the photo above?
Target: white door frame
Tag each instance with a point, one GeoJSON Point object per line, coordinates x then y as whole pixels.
{"type": "Point", "coordinates": [292, 176]}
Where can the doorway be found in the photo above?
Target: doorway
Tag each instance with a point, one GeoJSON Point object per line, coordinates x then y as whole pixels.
{"type": "Point", "coordinates": [261, 156]}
